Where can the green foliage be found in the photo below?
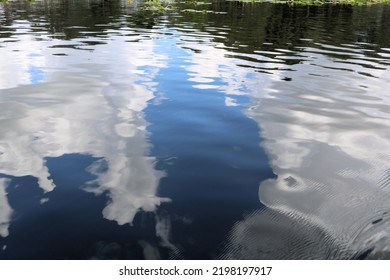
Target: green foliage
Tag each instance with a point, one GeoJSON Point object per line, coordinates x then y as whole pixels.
{"type": "Point", "coordinates": [158, 5]}
{"type": "Point", "coordinates": [348, 2]}
{"type": "Point", "coordinates": [183, 5]}
{"type": "Point", "coordinates": [6, 1]}
{"type": "Point", "coordinates": [320, 2]}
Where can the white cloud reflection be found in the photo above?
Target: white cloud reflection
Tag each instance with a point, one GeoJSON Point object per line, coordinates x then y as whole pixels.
{"type": "Point", "coordinates": [21, 58]}
{"type": "Point", "coordinates": [5, 209]}
{"type": "Point", "coordinates": [328, 141]}
{"type": "Point", "coordinates": [211, 68]}
{"type": "Point", "coordinates": [89, 109]}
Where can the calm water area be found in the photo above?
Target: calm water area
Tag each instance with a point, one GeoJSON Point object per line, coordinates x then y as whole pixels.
{"type": "Point", "coordinates": [194, 130]}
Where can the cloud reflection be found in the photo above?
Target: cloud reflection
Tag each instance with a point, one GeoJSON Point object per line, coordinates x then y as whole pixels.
{"type": "Point", "coordinates": [210, 68]}
{"type": "Point", "coordinates": [5, 209]}
{"type": "Point", "coordinates": [88, 109]}
{"type": "Point", "coordinates": [327, 139]}
{"type": "Point", "coordinates": [19, 66]}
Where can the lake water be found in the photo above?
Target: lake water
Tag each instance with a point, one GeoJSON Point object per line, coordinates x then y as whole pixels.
{"type": "Point", "coordinates": [194, 130]}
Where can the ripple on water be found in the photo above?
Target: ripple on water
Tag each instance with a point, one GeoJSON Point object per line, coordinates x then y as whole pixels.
{"type": "Point", "coordinates": [270, 234]}
{"type": "Point", "coordinates": [317, 94]}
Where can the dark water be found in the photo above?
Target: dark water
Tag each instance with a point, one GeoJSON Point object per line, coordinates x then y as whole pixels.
{"type": "Point", "coordinates": [202, 131]}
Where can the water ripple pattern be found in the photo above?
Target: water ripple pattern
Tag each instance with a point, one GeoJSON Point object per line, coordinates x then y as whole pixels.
{"type": "Point", "coordinates": [217, 129]}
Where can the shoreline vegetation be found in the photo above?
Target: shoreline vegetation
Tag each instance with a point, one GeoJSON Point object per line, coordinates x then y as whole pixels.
{"type": "Point", "coordinates": [321, 2]}
{"type": "Point", "coordinates": [292, 2]}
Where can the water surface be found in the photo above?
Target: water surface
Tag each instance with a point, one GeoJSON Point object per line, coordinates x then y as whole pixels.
{"type": "Point", "coordinates": [199, 131]}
